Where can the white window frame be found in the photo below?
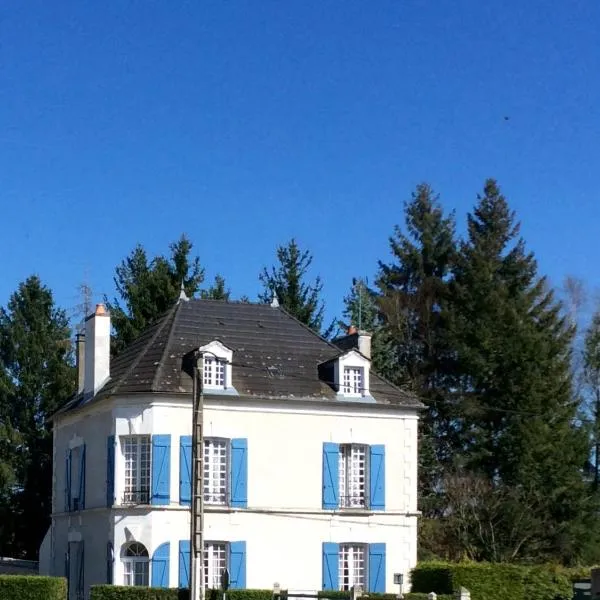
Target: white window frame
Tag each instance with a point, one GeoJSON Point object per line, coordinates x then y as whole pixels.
{"type": "Point", "coordinates": [353, 381]}
{"type": "Point", "coordinates": [354, 488]}
{"type": "Point", "coordinates": [139, 489]}
{"type": "Point", "coordinates": [216, 495]}
{"type": "Point", "coordinates": [212, 564]}
{"type": "Point", "coordinates": [131, 563]}
{"type": "Point", "coordinates": [217, 354]}
{"type": "Point", "coordinates": [355, 361]}
{"type": "Point", "coordinates": [76, 453]}
{"type": "Point", "coordinates": [351, 552]}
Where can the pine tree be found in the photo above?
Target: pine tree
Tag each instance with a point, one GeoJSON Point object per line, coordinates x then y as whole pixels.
{"type": "Point", "coordinates": [217, 291]}
{"type": "Point", "coordinates": [512, 373]}
{"type": "Point", "coordinates": [413, 289]}
{"type": "Point", "coordinates": [591, 359]}
{"type": "Point", "coordinates": [147, 288]}
{"type": "Point", "coordinates": [287, 282]}
{"type": "Point", "coordinates": [37, 377]}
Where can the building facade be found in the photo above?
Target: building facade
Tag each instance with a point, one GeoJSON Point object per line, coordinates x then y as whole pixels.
{"type": "Point", "coordinates": [310, 459]}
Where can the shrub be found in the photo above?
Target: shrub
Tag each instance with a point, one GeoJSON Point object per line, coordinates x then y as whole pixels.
{"type": "Point", "coordinates": [487, 581]}
{"type": "Point", "coordinates": [114, 592]}
{"type": "Point", "coordinates": [32, 587]}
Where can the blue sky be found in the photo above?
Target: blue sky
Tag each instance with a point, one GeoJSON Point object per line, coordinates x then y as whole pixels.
{"type": "Point", "coordinates": [244, 123]}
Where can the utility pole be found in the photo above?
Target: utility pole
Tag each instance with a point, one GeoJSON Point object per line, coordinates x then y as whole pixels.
{"type": "Point", "coordinates": [197, 508]}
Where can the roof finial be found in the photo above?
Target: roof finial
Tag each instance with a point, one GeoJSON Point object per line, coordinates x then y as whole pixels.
{"type": "Point", "coordinates": [182, 295]}
{"type": "Point", "coordinates": [275, 301]}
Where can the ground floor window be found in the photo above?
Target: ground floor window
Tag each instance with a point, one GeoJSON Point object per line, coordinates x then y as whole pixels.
{"type": "Point", "coordinates": [215, 562]}
{"type": "Point", "coordinates": [136, 564]}
{"type": "Point", "coordinates": [352, 566]}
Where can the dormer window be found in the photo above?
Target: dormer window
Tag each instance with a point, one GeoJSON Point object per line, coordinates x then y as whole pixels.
{"type": "Point", "coordinates": [217, 368]}
{"type": "Point", "coordinates": [353, 383]}
{"type": "Point", "coordinates": [214, 372]}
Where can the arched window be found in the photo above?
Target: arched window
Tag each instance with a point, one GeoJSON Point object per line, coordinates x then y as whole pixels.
{"type": "Point", "coordinates": [136, 564]}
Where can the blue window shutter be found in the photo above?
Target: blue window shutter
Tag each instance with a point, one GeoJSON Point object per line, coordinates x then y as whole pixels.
{"type": "Point", "coordinates": [160, 566]}
{"type": "Point", "coordinates": [82, 477]}
{"type": "Point", "coordinates": [237, 565]}
{"type": "Point", "coordinates": [161, 469]}
{"type": "Point", "coordinates": [377, 568]}
{"type": "Point", "coordinates": [185, 469]}
{"type": "Point", "coordinates": [331, 567]}
{"type": "Point", "coordinates": [68, 480]}
{"type": "Point", "coordinates": [184, 564]}
{"type": "Point", "coordinates": [239, 473]}
{"type": "Point", "coordinates": [377, 478]}
{"type": "Point", "coordinates": [110, 470]}
{"type": "Point", "coordinates": [331, 477]}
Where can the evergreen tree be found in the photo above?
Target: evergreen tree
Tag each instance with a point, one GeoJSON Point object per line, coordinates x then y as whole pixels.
{"type": "Point", "coordinates": [591, 358]}
{"type": "Point", "coordinates": [287, 282]}
{"type": "Point", "coordinates": [217, 291]}
{"type": "Point", "coordinates": [413, 289]}
{"type": "Point", "coordinates": [513, 381]}
{"type": "Point", "coordinates": [147, 288]}
{"type": "Point", "coordinates": [37, 377]}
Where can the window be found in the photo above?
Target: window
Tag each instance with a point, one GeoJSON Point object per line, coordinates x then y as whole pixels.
{"type": "Point", "coordinates": [136, 451]}
{"type": "Point", "coordinates": [136, 564]}
{"type": "Point", "coordinates": [353, 381]}
{"type": "Point", "coordinates": [214, 372]}
{"type": "Point", "coordinates": [215, 471]}
{"type": "Point", "coordinates": [352, 566]}
{"type": "Point", "coordinates": [353, 475]}
{"type": "Point", "coordinates": [215, 562]}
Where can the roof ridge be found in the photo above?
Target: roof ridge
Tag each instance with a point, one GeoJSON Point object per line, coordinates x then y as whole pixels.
{"type": "Point", "coordinates": [175, 310]}
{"type": "Point", "coordinates": [134, 363]}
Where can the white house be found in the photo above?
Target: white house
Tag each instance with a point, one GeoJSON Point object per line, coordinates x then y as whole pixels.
{"type": "Point", "coordinates": [310, 476]}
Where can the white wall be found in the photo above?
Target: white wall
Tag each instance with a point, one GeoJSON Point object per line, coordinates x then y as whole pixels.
{"type": "Point", "coordinates": [91, 428]}
{"type": "Point", "coordinates": [284, 525]}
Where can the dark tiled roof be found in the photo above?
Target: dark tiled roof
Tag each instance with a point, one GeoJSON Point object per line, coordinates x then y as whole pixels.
{"type": "Point", "coordinates": [274, 355]}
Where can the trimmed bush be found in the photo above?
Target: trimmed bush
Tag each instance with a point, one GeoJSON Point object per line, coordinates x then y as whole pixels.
{"type": "Point", "coordinates": [32, 587]}
{"type": "Point", "coordinates": [487, 581]}
{"type": "Point", "coordinates": [114, 592]}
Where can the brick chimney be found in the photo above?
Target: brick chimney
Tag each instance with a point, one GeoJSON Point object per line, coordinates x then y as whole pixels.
{"type": "Point", "coordinates": [97, 350]}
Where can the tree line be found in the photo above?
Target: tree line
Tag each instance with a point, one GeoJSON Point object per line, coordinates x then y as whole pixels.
{"type": "Point", "coordinates": [509, 448]}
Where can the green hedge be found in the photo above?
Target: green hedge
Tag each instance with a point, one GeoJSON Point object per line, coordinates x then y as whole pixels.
{"type": "Point", "coordinates": [487, 581]}
{"type": "Point", "coordinates": [114, 592]}
{"type": "Point", "coordinates": [32, 587]}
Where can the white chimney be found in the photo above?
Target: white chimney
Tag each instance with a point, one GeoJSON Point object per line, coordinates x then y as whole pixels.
{"type": "Point", "coordinates": [97, 350]}
{"type": "Point", "coordinates": [364, 344]}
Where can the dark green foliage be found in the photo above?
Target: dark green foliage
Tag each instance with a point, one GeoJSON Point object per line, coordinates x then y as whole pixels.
{"type": "Point", "coordinates": [335, 595]}
{"type": "Point", "coordinates": [36, 378]}
{"type": "Point", "coordinates": [217, 291]}
{"type": "Point", "coordinates": [112, 592]}
{"type": "Point", "coordinates": [147, 288]}
{"type": "Point", "coordinates": [287, 282]}
{"type": "Point", "coordinates": [512, 386]}
{"type": "Point", "coordinates": [487, 581]}
{"type": "Point", "coordinates": [34, 587]}
{"type": "Point", "coordinates": [413, 290]}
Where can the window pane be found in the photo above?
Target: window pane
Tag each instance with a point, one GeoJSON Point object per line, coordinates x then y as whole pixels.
{"type": "Point", "coordinates": [137, 455]}
{"type": "Point", "coordinates": [352, 566]}
{"type": "Point", "coordinates": [353, 475]}
{"type": "Point", "coordinates": [214, 372]}
{"type": "Point", "coordinates": [353, 381]}
{"type": "Point", "coordinates": [215, 562]}
{"type": "Point", "coordinates": [215, 471]}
